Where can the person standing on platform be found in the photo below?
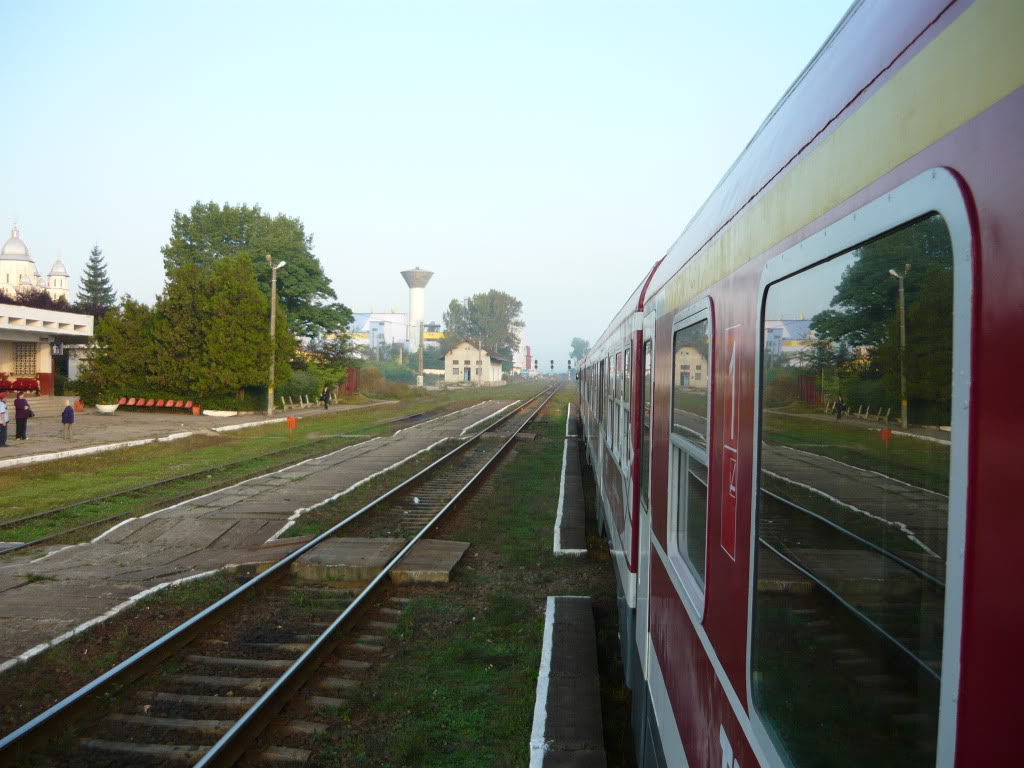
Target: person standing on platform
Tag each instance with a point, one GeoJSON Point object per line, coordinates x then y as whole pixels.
{"type": "Point", "coordinates": [21, 415]}
{"type": "Point", "coordinates": [67, 418]}
{"type": "Point", "coordinates": [326, 396]}
{"type": "Point", "coordinates": [3, 420]}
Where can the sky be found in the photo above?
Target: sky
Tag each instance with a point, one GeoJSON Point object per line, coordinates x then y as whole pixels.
{"type": "Point", "coordinates": [552, 149]}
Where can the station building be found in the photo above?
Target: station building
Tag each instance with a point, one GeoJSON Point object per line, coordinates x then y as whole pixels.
{"type": "Point", "coordinates": [27, 334]}
{"type": "Point", "coordinates": [471, 364]}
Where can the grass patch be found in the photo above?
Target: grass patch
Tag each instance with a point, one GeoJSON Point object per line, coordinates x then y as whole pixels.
{"type": "Point", "coordinates": [460, 689]}
{"type": "Point", "coordinates": [918, 462]}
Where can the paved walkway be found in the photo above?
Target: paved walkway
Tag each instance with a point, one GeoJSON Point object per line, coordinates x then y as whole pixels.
{"type": "Point", "coordinates": [45, 434]}
{"type": "Point", "coordinates": [229, 526]}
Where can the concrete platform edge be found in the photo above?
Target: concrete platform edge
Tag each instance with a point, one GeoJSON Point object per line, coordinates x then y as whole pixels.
{"type": "Point", "coordinates": [548, 688]}
{"type": "Point", "coordinates": [557, 548]}
{"type": "Point", "coordinates": [36, 650]}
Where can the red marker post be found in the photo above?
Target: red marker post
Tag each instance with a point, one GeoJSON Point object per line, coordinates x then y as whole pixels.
{"type": "Point", "coordinates": [292, 424]}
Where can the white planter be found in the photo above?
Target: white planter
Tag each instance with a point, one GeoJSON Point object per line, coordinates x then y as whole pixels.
{"type": "Point", "coordinates": [107, 409]}
{"type": "Point", "coordinates": [220, 414]}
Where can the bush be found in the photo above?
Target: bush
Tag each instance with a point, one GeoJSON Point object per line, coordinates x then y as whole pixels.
{"type": "Point", "coordinates": [373, 384]}
{"type": "Point", "coordinates": [396, 372]}
{"type": "Point", "coordinates": [301, 383]}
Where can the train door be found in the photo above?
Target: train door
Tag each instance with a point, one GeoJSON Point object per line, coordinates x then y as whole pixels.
{"type": "Point", "coordinates": [646, 370]}
{"type": "Point", "coordinates": [648, 753]}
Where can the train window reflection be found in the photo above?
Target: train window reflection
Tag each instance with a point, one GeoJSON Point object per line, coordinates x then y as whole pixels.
{"type": "Point", "coordinates": [690, 397]}
{"type": "Point", "coordinates": [690, 385]}
{"type": "Point", "coordinates": [853, 505]}
{"type": "Point", "coordinates": [645, 436]}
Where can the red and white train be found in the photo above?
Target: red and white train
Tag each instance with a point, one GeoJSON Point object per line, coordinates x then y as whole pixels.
{"type": "Point", "coordinates": [805, 423]}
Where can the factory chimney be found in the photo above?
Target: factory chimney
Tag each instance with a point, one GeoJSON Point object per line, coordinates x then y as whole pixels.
{"type": "Point", "coordinates": [417, 280]}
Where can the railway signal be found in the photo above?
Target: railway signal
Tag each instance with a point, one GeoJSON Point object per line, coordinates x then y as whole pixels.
{"type": "Point", "coordinates": [552, 366]}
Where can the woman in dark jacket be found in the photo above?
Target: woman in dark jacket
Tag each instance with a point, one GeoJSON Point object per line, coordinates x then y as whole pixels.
{"type": "Point", "coordinates": [67, 418]}
{"type": "Point", "coordinates": [21, 414]}
{"type": "Point", "coordinates": [325, 396]}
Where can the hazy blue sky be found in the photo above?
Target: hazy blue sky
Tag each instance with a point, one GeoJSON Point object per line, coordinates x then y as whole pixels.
{"type": "Point", "coordinates": [551, 148]}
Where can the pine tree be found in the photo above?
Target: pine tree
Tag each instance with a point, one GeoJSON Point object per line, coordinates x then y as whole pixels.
{"type": "Point", "coordinates": [96, 293]}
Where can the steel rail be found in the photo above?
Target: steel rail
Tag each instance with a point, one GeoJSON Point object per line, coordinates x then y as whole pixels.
{"type": "Point", "coordinates": [859, 539]}
{"type": "Point", "coordinates": [63, 712]}
{"type": "Point", "coordinates": [857, 613]}
{"type": "Point", "coordinates": [247, 728]}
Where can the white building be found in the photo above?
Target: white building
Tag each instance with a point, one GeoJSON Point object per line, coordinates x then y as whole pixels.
{"type": "Point", "coordinates": [18, 272]}
{"type": "Point", "coordinates": [375, 329]}
{"type": "Point", "coordinates": [469, 364]}
{"type": "Point", "coordinates": [26, 334]}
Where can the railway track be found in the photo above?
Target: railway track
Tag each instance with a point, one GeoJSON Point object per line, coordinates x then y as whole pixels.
{"type": "Point", "coordinates": [246, 681]}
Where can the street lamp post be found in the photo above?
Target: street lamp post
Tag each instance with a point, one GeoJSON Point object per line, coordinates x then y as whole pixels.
{"type": "Point", "coordinates": [903, 346]}
{"type": "Point", "coordinates": [273, 330]}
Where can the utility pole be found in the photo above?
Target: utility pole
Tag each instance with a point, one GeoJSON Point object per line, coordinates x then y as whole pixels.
{"type": "Point", "coordinates": [903, 346]}
{"type": "Point", "coordinates": [273, 330]}
{"type": "Point", "coordinates": [419, 354]}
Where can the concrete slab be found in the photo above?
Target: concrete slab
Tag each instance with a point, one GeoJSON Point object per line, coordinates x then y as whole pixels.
{"type": "Point", "coordinates": [347, 559]}
{"type": "Point", "coordinates": [567, 726]}
{"type": "Point", "coordinates": [570, 520]}
{"type": "Point", "coordinates": [430, 561]}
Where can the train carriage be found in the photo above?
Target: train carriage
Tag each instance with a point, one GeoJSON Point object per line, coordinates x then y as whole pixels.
{"type": "Point", "coordinates": [803, 424]}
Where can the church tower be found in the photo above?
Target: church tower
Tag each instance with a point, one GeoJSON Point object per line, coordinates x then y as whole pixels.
{"type": "Point", "coordinates": [57, 281]}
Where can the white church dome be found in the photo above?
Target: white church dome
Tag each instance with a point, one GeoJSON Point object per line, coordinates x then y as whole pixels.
{"type": "Point", "coordinates": [14, 249]}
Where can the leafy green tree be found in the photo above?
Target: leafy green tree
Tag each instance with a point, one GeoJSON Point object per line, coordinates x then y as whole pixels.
{"type": "Point", "coordinates": [326, 358]}
{"type": "Point", "coordinates": [180, 327]}
{"type": "Point", "coordinates": [123, 358]}
{"type": "Point", "coordinates": [492, 319]}
{"type": "Point", "coordinates": [237, 353]}
{"type": "Point", "coordinates": [867, 296]}
{"type": "Point", "coordinates": [580, 348]}
{"type": "Point", "coordinates": [929, 343]}
{"type": "Point", "coordinates": [95, 293]}
{"type": "Point", "coordinates": [209, 232]}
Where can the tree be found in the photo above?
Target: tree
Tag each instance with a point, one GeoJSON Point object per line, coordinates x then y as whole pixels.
{"type": "Point", "coordinates": [237, 353]}
{"type": "Point", "coordinates": [206, 335]}
{"type": "Point", "coordinates": [123, 357]}
{"type": "Point", "coordinates": [492, 320]}
{"type": "Point", "coordinates": [38, 298]}
{"type": "Point", "coordinates": [866, 297]}
{"type": "Point", "coordinates": [326, 358]}
{"type": "Point", "coordinates": [580, 348]}
{"type": "Point", "coordinates": [95, 293]}
{"type": "Point", "coordinates": [209, 232]}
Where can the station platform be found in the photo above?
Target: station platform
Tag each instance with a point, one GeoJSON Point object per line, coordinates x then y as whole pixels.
{"type": "Point", "coordinates": [570, 520]}
{"type": "Point", "coordinates": [567, 727]}
{"type": "Point", "coordinates": [95, 432]}
{"type": "Point", "coordinates": [44, 597]}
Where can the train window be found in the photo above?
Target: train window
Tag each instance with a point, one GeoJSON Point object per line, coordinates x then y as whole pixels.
{"type": "Point", "coordinates": [626, 376]}
{"type": "Point", "coordinates": [853, 507]}
{"type": "Point", "coordinates": [689, 460]}
{"type": "Point", "coordinates": [689, 392]}
{"type": "Point", "coordinates": [645, 436]}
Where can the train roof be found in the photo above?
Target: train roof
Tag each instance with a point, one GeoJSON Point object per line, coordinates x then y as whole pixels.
{"type": "Point", "coordinates": [854, 59]}
{"type": "Point", "coordinates": [634, 304]}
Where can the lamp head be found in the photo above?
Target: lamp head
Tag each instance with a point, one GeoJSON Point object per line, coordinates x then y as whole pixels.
{"type": "Point", "coordinates": [280, 264]}
{"type": "Point", "coordinates": [893, 273]}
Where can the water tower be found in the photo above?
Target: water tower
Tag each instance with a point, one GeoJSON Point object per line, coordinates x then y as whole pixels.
{"type": "Point", "coordinates": [417, 280]}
